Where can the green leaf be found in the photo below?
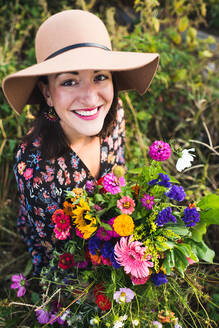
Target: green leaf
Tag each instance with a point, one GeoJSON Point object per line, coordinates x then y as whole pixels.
{"type": "Point", "coordinates": [106, 226]}
{"type": "Point", "coordinates": [209, 206]}
{"type": "Point", "coordinates": [198, 231]}
{"type": "Point", "coordinates": [209, 201]}
{"type": "Point", "coordinates": [178, 229]}
{"type": "Point", "coordinates": [205, 253]}
{"type": "Point", "coordinates": [187, 251]}
{"type": "Point", "coordinates": [169, 261]}
{"type": "Point", "coordinates": [136, 171]}
{"type": "Point", "coordinates": [28, 267]}
{"type": "Point", "coordinates": [181, 261]}
{"type": "Point", "coordinates": [35, 298]}
{"type": "Point", "coordinates": [98, 198]}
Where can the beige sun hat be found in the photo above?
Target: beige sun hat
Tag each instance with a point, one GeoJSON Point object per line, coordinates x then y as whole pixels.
{"type": "Point", "coordinates": [75, 40]}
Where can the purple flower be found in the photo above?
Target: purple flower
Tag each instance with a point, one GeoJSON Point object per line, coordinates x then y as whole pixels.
{"type": "Point", "coordinates": [124, 295]}
{"type": "Point", "coordinates": [165, 216]}
{"type": "Point", "coordinates": [191, 216]}
{"type": "Point", "coordinates": [19, 282]}
{"type": "Point", "coordinates": [159, 151]}
{"type": "Point", "coordinates": [176, 193]}
{"type": "Point", "coordinates": [43, 316]}
{"type": "Point", "coordinates": [107, 251]}
{"type": "Point", "coordinates": [93, 244]}
{"type": "Point", "coordinates": [104, 234]}
{"type": "Point", "coordinates": [153, 182]}
{"type": "Point", "coordinates": [113, 184]}
{"type": "Point", "coordinates": [159, 278]}
{"type": "Point", "coordinates": [162, 180]}
{"type": "Point", "coordinates": [147, 201]}
{"type": "Point", "coordinates": [89, 186]}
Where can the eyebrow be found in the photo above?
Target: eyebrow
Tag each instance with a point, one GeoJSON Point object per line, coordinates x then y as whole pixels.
{"type": "Point", "coordinates": [74, 73]}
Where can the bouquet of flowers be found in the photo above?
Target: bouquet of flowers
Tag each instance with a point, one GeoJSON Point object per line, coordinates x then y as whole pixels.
{"type": "Point", "coordinates": [119, 243]}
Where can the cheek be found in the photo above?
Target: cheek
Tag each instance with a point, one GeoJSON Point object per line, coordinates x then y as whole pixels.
{"type": "Point", "coordinates": [109, 94]}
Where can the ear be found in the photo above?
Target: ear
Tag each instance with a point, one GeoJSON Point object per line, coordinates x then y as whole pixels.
{"type": "Point", "coordinates": [44, 88]}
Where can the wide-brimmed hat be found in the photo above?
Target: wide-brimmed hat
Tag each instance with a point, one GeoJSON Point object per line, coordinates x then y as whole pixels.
{"type": "Point", "coordinates": [74, 40]}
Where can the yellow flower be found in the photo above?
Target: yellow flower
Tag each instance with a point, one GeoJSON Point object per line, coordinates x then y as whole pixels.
{"type": "Point", "coordinates": [124, 225]}
{"type": "Point", "coordinates": [80, 210]}
{"type": "Point", "coordinates": [85, 223]}
{"type": "Point", "coordinates": [77, 193]}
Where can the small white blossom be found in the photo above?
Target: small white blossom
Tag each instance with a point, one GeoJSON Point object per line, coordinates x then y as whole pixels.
{"type": "Point", "coordinates": [124, 317]}
{"type": "Point", "coordinates": [65, 315]}
{"type": "Point", "coordinates": [94, 321]}
{"type": "Point", "coordinates": [118, 324]}
{"type": "Point", "coordinates": [157, 324]}
{"type": "Point", "coordinates": [186, 159]}
{"type": "Point", "coordinates": [135, 322]}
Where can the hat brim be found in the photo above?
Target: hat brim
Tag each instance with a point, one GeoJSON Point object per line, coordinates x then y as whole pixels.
{"type": "Point", "coordinates": [133, 71]}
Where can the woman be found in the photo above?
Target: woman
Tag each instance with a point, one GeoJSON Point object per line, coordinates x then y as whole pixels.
{"type": "Point", "coordinates": [78, 134]}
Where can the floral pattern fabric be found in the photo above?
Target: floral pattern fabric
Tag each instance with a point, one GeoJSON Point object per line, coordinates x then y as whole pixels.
{"type": "Point", "coordinates": [42, 185]}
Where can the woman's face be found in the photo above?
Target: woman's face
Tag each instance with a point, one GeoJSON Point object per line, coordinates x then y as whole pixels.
{"type": "Point", "coordinates": [81, 99]}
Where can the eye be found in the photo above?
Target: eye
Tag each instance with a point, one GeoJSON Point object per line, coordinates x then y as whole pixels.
{"type": "Point", "coordinates": [69, 83]}
{"type": "Point", "coordinates": [101, 77]}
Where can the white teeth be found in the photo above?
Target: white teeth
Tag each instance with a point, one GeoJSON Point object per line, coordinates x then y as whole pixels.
{"type": "Point", "coordinates": [87, 112]}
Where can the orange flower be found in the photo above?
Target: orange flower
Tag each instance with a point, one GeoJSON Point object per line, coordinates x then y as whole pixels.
{"type": "Point", "coordinates": [68, 208]}
{"type": "Point", "coordinates": [96, 259]}
{"type": "Point", "coordinates": [136, 190]}
{"type": "Point", "coordinates": [166, 316]}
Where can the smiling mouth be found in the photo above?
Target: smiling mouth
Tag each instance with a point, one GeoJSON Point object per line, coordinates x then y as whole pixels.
{"type": "Point", "coordinates": [86, 113]}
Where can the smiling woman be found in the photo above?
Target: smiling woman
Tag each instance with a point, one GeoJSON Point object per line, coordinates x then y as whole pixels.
{"type": "Point", "coordinates": [78, 134]}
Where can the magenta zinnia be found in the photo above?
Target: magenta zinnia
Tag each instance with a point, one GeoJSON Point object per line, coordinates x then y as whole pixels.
{"type": "Point", "coordinates": [131, 255]}
{"type": "Point", "coordinates": [113, 184]}
{"type": "Point", "coordinates": [159, 151]}
{"type": "Point", "coordinates": [126, 204]}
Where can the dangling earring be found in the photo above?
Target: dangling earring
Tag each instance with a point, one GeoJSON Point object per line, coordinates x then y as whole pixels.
{"type": "Point", "coordinates": [51, 115]}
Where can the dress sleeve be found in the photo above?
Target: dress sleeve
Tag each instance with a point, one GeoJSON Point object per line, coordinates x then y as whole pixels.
{"type": "Point", "coordinates": [36, 206]}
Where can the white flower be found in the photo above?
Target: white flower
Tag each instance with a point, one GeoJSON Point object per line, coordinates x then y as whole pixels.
{"type": "Point", "coordinates": [135, 322]}
{"type": "Point", "coordinates": [119, 323]}
{"type": "Point", "coordinates": [157, 324]}
{"type": "Point", "coordinates": [94, 321]}
{"type": "Point", "coordinates": [123, 318]}
{"type": "Point", "coordinates": [185, 160]}
{"type": "Point", "coordinates": [65, 315]}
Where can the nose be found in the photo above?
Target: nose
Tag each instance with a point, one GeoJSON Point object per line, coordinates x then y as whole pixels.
{"type": "Point", "coordinates": [89, 94]}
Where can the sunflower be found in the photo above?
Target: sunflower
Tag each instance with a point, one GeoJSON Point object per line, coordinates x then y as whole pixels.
{"type": "Point", "coordinates": [85, 223]}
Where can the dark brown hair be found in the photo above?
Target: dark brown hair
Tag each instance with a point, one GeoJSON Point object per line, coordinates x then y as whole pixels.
{"type": "Point", "coordinates": [53, 141]}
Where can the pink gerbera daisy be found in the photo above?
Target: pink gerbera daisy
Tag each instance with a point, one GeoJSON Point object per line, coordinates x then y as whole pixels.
{"type": "Point", "coordinates": [131, 255]}
{"type": "Point", "coordinates": [126, 204]}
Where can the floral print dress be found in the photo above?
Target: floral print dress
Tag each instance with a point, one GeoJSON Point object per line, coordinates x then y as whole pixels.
{"type": "Point", "coordinates": [42, 185]}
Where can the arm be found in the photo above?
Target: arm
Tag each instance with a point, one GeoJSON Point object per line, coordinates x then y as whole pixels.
{"type": "Point", "coordinates": [36, 207]}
